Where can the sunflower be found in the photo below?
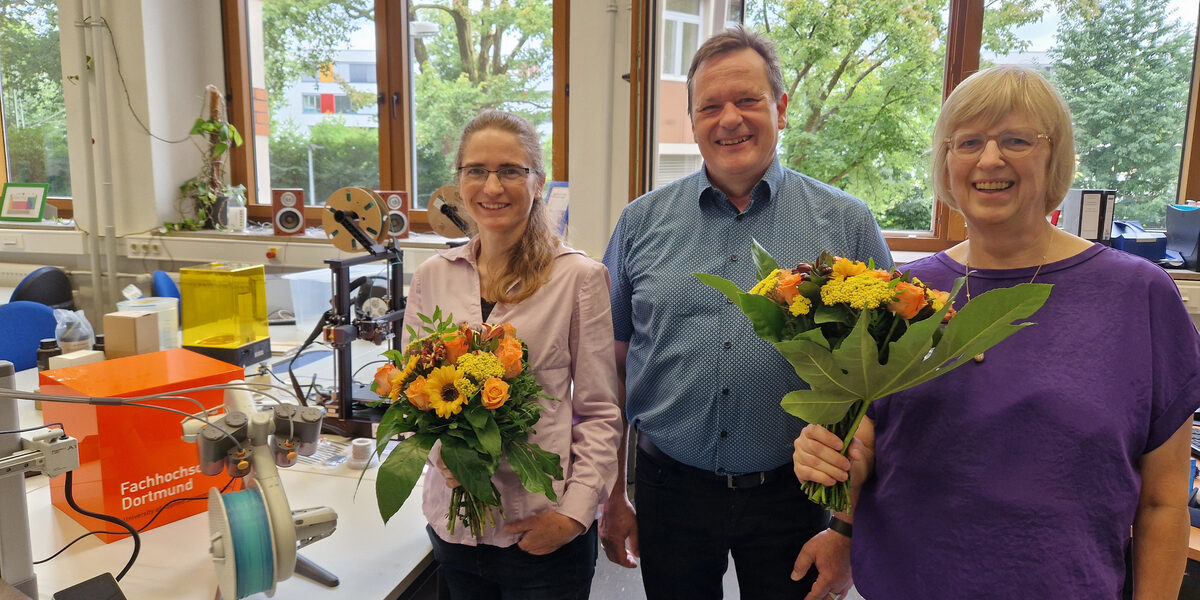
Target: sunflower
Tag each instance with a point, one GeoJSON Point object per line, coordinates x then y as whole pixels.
{"type": "Point", "coordinates": [444, 396]}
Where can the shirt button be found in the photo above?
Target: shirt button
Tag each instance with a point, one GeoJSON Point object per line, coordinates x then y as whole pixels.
{"type": "Point", "coordinates": [738, 217]}
{"type": "Point", "coordinates": [733, 258]}
{"type": "Point", "coordinates": [725, 391]}
{"type": "Point", "coordinates": [728, 345]}
{"type": "Point", "coordinates": [724, 433]}
{"type": "Point", "coordinates": [721, 470]}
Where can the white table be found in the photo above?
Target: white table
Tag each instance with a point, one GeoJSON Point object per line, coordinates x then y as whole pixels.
{"type": "Point", "coordinates": [371, 559]}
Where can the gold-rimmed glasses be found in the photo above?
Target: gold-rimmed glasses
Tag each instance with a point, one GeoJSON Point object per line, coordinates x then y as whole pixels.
{"type": "Point", "coordinates": [508, 174]}
{"type": "Point", "coordinates": [1013, 143]}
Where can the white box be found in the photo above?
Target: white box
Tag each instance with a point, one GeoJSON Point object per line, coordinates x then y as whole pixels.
{"type": "Point", "coordinates": [78, 357]}
{"type": "Point", "coordinates": [312, 291]}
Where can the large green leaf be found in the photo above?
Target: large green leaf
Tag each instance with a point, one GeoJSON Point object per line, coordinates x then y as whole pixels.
{"type": "Point", "coordinates": [472, 469]}
{"type": "Point", "coordinates": [535, 467]}
{"type": "Point", "coordinates": [484, 424]}
{"type": "Point", "coordinates": [764, 263]}
{"type": "Point", "coordinates": [400, 472]}
{"type": "Point", "coordinates": [764, 315]}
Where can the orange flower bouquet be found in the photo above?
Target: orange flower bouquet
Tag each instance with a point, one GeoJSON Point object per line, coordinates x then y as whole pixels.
{"type": "Point", "coordinates": [855, 334]}
{"type": "Point", "coordinates": [472, 390]}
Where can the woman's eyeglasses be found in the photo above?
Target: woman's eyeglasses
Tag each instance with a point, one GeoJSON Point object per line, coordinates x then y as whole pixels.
{"type": "Point", "coordinates": [505, 174]}
{"type": "Point", "coordinates": [1012, 144]}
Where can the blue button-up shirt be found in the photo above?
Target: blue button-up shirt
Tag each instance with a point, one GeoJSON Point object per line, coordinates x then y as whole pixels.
{"type": "Point", "coordinates": [699, 383]}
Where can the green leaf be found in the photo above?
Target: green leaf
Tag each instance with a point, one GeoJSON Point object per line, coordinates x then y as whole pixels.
{"type": "Point", "coordinates": [400, 472]}
{"type": "Point", "coordinates": [764, 263]}
{"type": "Point", "coordinates": [764, 315]}
{"type": "Point", "coordinates": [820, 407]}
{"type": "Point", "coordinates": [535, 467]}
{"type": "Point", "coordinates": [484, 424]}
{"type": "Point", "coordinates": [472, 469]}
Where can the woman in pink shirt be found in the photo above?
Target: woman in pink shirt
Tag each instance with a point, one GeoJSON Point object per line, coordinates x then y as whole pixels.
{"type": "Point", "coordinates": [516, 270]}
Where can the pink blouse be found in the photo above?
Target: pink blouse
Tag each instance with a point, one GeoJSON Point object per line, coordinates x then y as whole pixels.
{"type": "Point", "coordinates": [567, 325]}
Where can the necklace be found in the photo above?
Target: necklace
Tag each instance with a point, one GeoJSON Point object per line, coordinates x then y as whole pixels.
{"type": "Point", "coordinates": [967, 277]}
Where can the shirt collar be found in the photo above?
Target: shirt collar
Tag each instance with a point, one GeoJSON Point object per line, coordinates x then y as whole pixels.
{"type": "Point", "coordinates": [763, 191]}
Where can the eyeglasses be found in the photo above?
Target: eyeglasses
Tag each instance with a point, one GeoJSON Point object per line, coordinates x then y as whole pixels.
{"type": "Point", "coordinates": [1012, 144]}
{"type": "Point", "coordinates": [505, 174]}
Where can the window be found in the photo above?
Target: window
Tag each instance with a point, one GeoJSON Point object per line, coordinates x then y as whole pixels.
{"type": "Point", "coordinates": [392, 95]}
{"type": "Point", "coordinates": [860, 116]}
{"type": "Point", "coordinates": [681, 36]}
{"type": "Point", "coordinates": [311, 103]}
{"type": "Point", "coordinates": [35, 123]}
{"type": "Point", "coordinates": [362, 72]}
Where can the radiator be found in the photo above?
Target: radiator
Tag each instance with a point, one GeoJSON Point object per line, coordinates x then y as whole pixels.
{"type": "Point", "coordinates": [12, 273]}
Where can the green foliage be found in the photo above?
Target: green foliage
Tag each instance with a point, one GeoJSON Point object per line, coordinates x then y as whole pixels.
{"type": "Point", "coordinates": [300, 37]}
{"type": "Point", "coordinates": [1124, 67]}
{"type": "Point", "coordinates": [342, 156]}
{"type": "Point", "coordinates": [34, 113]}
{"type": "Point", "coordinates": [200, 194]}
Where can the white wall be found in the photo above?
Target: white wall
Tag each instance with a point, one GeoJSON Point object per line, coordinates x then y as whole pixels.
{"type": "Point", "coordinates": [168, 50]}
{"type": "Point", "coordinates": [598, 156]}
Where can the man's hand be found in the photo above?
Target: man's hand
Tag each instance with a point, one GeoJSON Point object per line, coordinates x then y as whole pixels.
{"type": "Point", "coordinates": [618, 524]}
{"type": "Point", "coordinates": [545, 532]}
{"type": "Point", "coordinates": [830, 553]}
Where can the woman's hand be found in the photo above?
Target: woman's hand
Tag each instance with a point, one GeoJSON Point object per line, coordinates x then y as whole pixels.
{"type": "Point", "coordinates": [545, 532]}
{"type": "Point", "coordinates": [818, 457]}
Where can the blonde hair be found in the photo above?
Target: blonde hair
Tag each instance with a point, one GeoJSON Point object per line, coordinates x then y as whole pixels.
{"type": "Point", "coordinates": [990, 96]}
{"type": "Point", "coordinates": [530, 259]}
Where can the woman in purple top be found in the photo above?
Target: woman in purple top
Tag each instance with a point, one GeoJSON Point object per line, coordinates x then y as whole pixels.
{"type": "Point", "coordinates": [515, 270]}
{"type": "Point", "coordinates": [1037, 471]}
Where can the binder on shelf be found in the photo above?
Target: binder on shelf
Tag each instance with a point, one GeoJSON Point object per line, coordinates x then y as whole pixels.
{"type": "Point", "coordinates": [1088, 213]}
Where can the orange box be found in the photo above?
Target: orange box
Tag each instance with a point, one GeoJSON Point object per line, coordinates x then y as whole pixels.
{"type": "Point", "coordinates": [133, 460]}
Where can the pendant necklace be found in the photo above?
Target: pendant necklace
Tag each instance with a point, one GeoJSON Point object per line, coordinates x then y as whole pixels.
{"type": "Point", "coordinates": [967, 278]}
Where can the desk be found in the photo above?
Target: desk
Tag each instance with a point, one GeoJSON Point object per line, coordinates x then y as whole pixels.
{"type": "Point", "coordinates": [371, 559]}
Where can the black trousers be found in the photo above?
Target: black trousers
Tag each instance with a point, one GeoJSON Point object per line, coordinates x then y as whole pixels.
{"type": "Point", "coordinates": [491, 573]}
{"type": "Point", "coordinates": [688, 525]}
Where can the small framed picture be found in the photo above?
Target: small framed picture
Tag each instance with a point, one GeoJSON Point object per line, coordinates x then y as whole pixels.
{"type": "Point", "coordinates": [23, 201]}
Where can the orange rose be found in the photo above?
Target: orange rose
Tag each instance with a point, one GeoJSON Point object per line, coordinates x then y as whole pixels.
{"type": "Point", "coordinates": [880, 274]}
{"type": "Point", "coordinates": [495, 393]}
{"type": "Point", "coordinates": [509, 330]}
{"type": "Point", "coordinates": [908, 301]}
{"type": "Point", "coordinates": [416, 393]}
{"type": "Point", "coordinates": [383, 379]}
{"type": "Point", "coordinates": [786, 287]}
{"type": "Point", "coordinates": [456, 347]}
{"type": "Point", "coordinates": [509, 352]}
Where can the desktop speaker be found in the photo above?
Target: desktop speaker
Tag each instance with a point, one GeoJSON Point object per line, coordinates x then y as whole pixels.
{"type": "Point", "coordinates": [287, 211]}
{"type": "Point", "coordinates": [395, 215]}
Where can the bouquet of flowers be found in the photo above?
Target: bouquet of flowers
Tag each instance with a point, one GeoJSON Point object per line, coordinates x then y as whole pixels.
{"type": "Point", "coordinates": [855, 334]}
{"type": "Point", "coordinates": [472, 390]}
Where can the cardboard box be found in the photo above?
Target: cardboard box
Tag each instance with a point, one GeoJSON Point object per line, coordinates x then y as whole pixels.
{"type": "Point", "coordinates": [133, 460]}
{"type": "Point", "coordinates": [130, 332]}
{"type": "Point", "coordinates": [78, 357]}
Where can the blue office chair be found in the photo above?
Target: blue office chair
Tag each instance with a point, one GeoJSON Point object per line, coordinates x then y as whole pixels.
{"type": "Point", "coordinates": [24, 324]}
{"type": "Point", "coordinates": [46, 285]}
{"type": "Point", "coordinates": [162, 286]}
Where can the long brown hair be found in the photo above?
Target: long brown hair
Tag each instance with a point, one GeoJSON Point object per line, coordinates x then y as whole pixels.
{"type": "Point", "coordinates": [530, 259]}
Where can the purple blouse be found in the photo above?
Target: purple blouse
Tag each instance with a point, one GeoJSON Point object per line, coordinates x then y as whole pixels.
{"type": "Point", "coordinates": [1018, 477]}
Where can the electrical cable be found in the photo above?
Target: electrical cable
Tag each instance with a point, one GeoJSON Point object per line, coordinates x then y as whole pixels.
{"type": "Point", "coordinates": [142, 528]}
{"type": "Point", "coordinates": [34, 428]}
{"type": "Point", "coordinates": [120, 75]}
{"type": "Point", "coordinates": [137, 539]}
{"type": "Point", "coordinates": [307, 342]}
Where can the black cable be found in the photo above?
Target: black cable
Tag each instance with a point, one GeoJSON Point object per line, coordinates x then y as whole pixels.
{"type": "Point", "coordinates": [142, 528]}
{"type": "Point", "coordinates": [365, 365]}
{"type": "Point", "coordinates": [307, 342]}
{"type": "Point", "coordinates": [137, 539]}
{"type": "Point", "coordinates": [35, 428]}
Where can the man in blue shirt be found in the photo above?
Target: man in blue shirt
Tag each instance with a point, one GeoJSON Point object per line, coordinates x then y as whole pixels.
{"type": "Point", "coordinates": [714, 470]}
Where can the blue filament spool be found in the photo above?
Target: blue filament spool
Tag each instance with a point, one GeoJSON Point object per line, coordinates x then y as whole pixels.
{"type": "Point", "coordinates": [251, 531]}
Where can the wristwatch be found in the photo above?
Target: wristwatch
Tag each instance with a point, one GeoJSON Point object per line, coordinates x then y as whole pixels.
{"type": "Point", "coordinates": [841, 526]}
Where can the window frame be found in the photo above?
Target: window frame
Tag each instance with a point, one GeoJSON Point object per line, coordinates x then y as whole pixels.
{"type": "Point", "coordinates": [681, 20]}
{"type": "Point", "coordinates": [964, 37]}
{"type": "Point", "coordinates": [394, 86]}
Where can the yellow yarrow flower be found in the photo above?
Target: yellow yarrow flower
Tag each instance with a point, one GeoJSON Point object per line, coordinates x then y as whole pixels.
{"type": "Point", "coordinates": [445, 397]}
{"type": "Point", "coordinates": [861, 292]}
{"type": "Point", "coordinates": [767, 285]}
{"type": "Point", "coordinates": [480, 366]}
{"type": "Point", "coordinates": [800, 306]}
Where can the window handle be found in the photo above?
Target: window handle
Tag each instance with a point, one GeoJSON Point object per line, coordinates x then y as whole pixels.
{"type": "Point", "coordinates": [395, 104]}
